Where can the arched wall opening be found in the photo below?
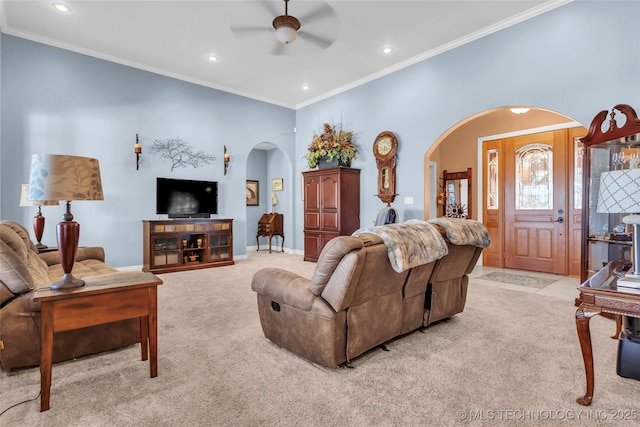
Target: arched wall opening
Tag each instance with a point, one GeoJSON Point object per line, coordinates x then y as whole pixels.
{"type": "Point", "coordinates": [460, 147]}
{"type": "Point", "coordinates": [456, 149]}
{"type": "Point", "coordinates": [270, 167]}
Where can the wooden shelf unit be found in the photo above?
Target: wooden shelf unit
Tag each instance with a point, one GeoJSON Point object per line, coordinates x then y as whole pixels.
{"type": "Point", "coordinates": [186, 244]}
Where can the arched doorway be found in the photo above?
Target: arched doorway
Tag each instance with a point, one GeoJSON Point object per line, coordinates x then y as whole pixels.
{"type": "Point", "coordinates": [268, 170]}
{"type": "Point", "coordinates": [461, 147]}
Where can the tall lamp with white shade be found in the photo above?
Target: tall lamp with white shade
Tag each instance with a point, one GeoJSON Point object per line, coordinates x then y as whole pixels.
{"type": "Point", "coordinates": [66, 178]}
{"type": "Point", "coordinates": [620, 193]}
{"type": "Point", "coordinates": [38, 220]}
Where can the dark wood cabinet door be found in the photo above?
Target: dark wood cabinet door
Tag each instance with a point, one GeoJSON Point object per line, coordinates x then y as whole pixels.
{"type": "Point", "coordinates": [329, 203]}
{"type": "Point", "coordinates": [312, 246]}
{"type": "Point", "coordinates": [312, 202]}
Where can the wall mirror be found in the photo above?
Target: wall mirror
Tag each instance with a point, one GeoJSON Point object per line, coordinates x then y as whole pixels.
{"type": "Point", "coordinates": [457, 194]}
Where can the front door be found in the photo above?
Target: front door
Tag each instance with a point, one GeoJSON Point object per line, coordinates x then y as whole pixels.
{"type": "Point", "coordinates": [535, 233]}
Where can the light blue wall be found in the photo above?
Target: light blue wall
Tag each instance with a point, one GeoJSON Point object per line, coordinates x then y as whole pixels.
{"type": "Point", "coordinates": [256, 171]}
{"type": "Point", "coordinates": [281, 167]}
{"type": "Point", "coordinates": [56, 101]}
{"type": "Point", "coordinates": [577, 60]}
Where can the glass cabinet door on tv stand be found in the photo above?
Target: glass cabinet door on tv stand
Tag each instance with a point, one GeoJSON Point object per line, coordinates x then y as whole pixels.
{"type": "Point", "coordinates": [612, 144]}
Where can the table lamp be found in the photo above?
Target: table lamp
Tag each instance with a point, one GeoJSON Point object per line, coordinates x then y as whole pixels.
{"type": "Point", "coordinates": [620, 193]}
{"type": "Point", "coordinates": [66, 178]}
{"type": "Point", "coordinates": [38, 220]}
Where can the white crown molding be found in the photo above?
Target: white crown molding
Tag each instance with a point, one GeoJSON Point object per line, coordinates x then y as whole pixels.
{"type": "Point", "coordinates": [73, 48]}
{"type": "Point", "coordinates": [516, 19]}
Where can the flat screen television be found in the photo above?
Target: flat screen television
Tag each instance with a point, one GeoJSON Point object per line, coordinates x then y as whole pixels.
{"type": "Point", "coordinates": [185, 198]}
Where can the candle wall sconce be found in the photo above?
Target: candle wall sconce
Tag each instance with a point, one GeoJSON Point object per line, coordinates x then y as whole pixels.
{"type": "Point", "coordinates": [137, 148]}
{"type": "Point", "coordinates": [227, 159]}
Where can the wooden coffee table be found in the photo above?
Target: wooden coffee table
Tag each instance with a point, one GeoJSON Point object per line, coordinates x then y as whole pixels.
{"type": "Point", "coordinates": [103, 299]}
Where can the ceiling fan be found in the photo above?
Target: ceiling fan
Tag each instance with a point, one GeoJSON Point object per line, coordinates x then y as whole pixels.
{"type": "Point", "coordinates": [287, 27]}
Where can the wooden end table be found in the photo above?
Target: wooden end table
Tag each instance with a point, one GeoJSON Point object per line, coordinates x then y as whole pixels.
{"type": "Point", "coordinates": [601, 295]}
{"type": "Point", "coordinates": [103, 299]}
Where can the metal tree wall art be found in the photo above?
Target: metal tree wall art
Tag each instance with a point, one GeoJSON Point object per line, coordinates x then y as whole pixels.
{"type": "Point", "coordinates": [181, 154]}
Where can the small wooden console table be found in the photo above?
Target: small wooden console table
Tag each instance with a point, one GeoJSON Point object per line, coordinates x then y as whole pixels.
{"type": "Point", "coordinates": [103, 299]}
{"type": "Point", "coordinates": [270, 225]}
{"type": "Point", "coordinates": [601, 295]}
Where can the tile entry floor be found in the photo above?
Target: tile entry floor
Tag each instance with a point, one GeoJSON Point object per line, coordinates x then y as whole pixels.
{"type": "Point", "coordinates": [563, 287]}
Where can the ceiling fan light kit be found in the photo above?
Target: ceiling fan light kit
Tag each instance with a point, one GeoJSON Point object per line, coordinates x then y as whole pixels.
{"type": "Point", "coordinates": [286, 26]}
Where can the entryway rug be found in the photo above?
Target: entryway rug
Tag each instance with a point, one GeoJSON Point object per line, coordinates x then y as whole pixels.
{"type": "Point", "coordinates": [517, 279]}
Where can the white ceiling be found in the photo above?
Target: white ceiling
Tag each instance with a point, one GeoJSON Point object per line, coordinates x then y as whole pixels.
{"type": "Point", "coordinates": [340, 50]}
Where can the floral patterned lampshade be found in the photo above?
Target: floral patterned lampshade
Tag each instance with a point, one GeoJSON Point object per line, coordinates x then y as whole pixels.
{"type": "Point", "coordinates": [24, 199]}
{"type": "Point", "coordinates": [62, 177]}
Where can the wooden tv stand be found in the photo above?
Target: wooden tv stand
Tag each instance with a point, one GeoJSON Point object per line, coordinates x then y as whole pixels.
{"type": "Point", "coordinates": [186, 244]}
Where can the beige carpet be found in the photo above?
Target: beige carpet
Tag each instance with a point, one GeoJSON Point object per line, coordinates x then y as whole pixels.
{"type": "Point", "coordinates": [510, 357]}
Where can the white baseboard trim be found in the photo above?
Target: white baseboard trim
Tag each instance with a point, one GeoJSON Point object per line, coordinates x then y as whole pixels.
{"type": "Point", "coordinates": [129, 268]}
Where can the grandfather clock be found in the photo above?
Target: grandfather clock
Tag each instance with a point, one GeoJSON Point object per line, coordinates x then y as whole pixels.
{"type": "Point", "coordinates": [385, 148]}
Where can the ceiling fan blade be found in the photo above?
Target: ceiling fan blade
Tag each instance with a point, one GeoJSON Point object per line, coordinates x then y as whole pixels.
{"type": "Point", "coordinates": [322, 42]}
{"type": "Point", "coordinates": [247, 30]}
{"type": "Point", "coordinates": [272, 8]}
{"type": "Point", "coordinates": [322, 12]}
{"type": "Point", "coordinates": [278, 49]}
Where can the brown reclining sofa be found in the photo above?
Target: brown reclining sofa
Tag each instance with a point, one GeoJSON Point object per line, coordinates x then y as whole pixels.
{"type": "Point", "coordinates": [370, 287]}
{"type": "Point", "coordinates": [22, 270]}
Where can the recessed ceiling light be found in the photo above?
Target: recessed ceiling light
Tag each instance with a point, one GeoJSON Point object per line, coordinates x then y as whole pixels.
{"type": "Point", "coordinates": [519, 110]}
{"type": "Point", "coordinates": [305, 87]}
{"type": "Point", "coordinates": [61, 7]}
{"type": "Point", "coordinates": [213, 58]}
{"type": "Point", "coordinates": [387, 50]}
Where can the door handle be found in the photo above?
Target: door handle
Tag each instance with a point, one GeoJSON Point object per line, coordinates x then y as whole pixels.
{"type": "Point", "coordinates": [560, 220]}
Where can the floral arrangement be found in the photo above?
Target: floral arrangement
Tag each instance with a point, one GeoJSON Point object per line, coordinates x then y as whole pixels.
{"type": "Point", "coordinates": [332, 144]}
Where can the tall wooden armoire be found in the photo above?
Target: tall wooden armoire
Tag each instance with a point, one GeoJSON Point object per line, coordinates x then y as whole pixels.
{"type": "Point", "coordinates": [331, 207]}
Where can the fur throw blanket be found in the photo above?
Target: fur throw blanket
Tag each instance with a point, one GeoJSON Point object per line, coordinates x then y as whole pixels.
{"type": "Point", "coordinates": [462, 231]}
{"type": "Point", "coordinates": [410, 244]}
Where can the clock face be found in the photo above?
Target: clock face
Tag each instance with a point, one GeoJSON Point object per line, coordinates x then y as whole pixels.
{"type": "Point", "coordinates": [384, 146]}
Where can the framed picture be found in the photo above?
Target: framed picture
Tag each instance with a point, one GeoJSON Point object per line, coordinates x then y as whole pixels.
{"type": "Point", "coordinates": [253, 195]}
{"type": "Point", "coordinates": [277, 184]}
